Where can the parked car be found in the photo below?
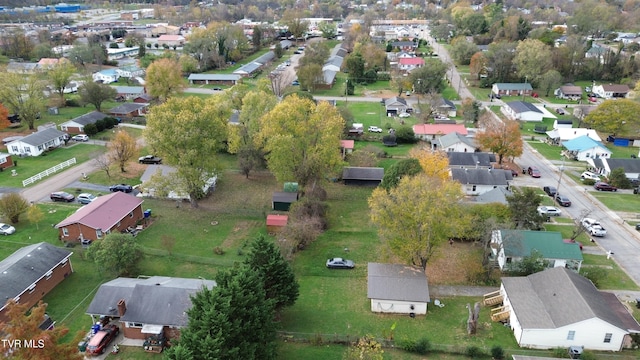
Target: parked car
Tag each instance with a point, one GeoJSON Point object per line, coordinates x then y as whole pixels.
{"type": "Point", "coordinates": [121, 187]}
{"type": "Point", "coordinates": [61, 196]}
{"type": "Point", "coordinates": [590, 175]}
{"type": "Point", "coordinates": [550, 190]}
{"type": "Point", "coordinates": [404, 115]}
{"type": "Point", "coordinates": [562, 200]}
{"type": "Point", "coordinates": [340, 263]}
{"type": "Point", "coordinates": [6, 229]}
{"type": "Point", "coordinates": [217, 89]}
{"type": "Point", "coordinates": [101, 340]}
{"type": "Point", "coordinates": [559, 111]}
{"type": "Point", "coordinates": [549, 211]}
{"type": "Point", "coordinates": [513, 173]}
{"type": "Point", "coordinates": [593, 227]}
{"type": "Point", "coordinates": [149, 159]}
{"type": "Point", "coordinates": [86, 198]}
{"type": "Point", "coordinates": [297, 52]}
{"type": "Point", "coordinates": [295, 82]}
{"type": "Point", "coordinates": [603, 186]}
{"type": "Point", "coordinates": [533, 171]}
{"type": "Point", "coordinates": [80, 137]}
{"type": "Point", "coordinates": [374, 129]}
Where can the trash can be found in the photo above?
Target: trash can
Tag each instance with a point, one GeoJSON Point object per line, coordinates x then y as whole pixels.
{"type": "Point", "coordinates": [638, 303]}
{"type": "Point", "coordinates": [82, 346]}
{"type": "Point", "coordinates": [147, 213]}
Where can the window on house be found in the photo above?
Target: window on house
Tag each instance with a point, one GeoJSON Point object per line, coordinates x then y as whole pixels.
{"type": "Point", "coordinates": [134, 325]}
{"type": "Point", "coordinates": [3, 160]}
{"type": "Point", "coordinates": [131, 214]}
{"type": "Point", "coordinates": [508, 260]}
{"type": "Point", "coordinates": [607, 337]}
{"type": "Point", "coordinates": [571, 335]}
{"type": "Point", "coordinates": [118, 224]}
{"type": "Point", "coordinates": [473, 188]}
{"type": "Point", "coordinates": [27, 149]}
{"type": "Point", "coordinates": [65, 232]}
{"type": "Point", "coordinates": [99, 233]}
{"type": "Point", "coordinates": [14, 149]}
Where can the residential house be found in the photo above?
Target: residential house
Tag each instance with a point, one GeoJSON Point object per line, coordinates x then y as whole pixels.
{"type": "Point", "coordinates": [219, 79]}
{"type": "Point", "coordinates": [605, 166]}
{"type": "Point", "coordinates": [121, 53]}
{"type": "Point", "coordinates": [171, 40]}
{"type": "Point", "coordinates": [480, 181]}
{"type": "Point", "coordinates": [22, 67]}
{"type": "Point", "coordinates": [471, 160]}
{"type": "Point", "coordinates": [404, 45]}
{"type": "Point", "coordinates": [363, 176]}
{"type": "Point", "coordinates": [523, 111]}
{"type": "Point", "coordinates": [48, 63]}
{"type": "Point", "coordinates": [76, 125]}
{"type": "Point", "coordinates": [509, 247]}
{"type": "Point", "coordinates": [334, 63]}
{"type": "Point", "coordinates": [129, 110]}
{"type": "Point", "coordinates": [498, 195]}
{"type": "Point", "coordinates": [147, 306]}
{"type": "Point", "coordinates": [410, 64]}
{"type": "Point", "coordinates": [397, 288]}
{"type": "Point", "coordinates": [557, 308]}
{"type": "Point", "coordinates": [584, 147]}
{"type": "Point", "coordinates": [611, 91]}
{"type": "Point", "coordinates": [130, 71]}
{"type": "Point", "coordinates": [5, 161]}
{"type": "Point", "coordinates": [143, 99]}
{"type": "Point", "coordinates": [511, 89]}
{"type": "Point", "coordinates": [159, 30]}
{"type": "Point", "coordinates": [31, 272]}
{"type": "Point", "coordinates": [37, 143]}
{"type": "Point", "coordinates": [106, 76]}
{"type": "Point", "coordinates": [396, 105]}
{"type": "Point", "coordinates": [563, 124]}
{"type": "Point", "coordinates": [147, 188]}
{"type": "Point", "coordinates": [346, 147]}
{"type": "Point", "coordinates": [431, 132]}
{"type": "Point", "coordinates": [569, 92]}
{"type": "Point", "coordinates": [281, 201]}
{"type": "Point", "coordinates": [114, 212]}
{"type": "Point", "coordinates": [561, 134]}
{"type": "Point", "coordinates": [250, 69]}
{"type": "Point", "coordinates": [596, 52]}
{"type": "Point", "coordinates": [328, 79]}
{"type": "Point", "coordinates": [129, 92]}
{"type": "Point", "coordinates": [275, 223]}
{"type": "Point", "coordinates": [446, 107]}
{"type": "Point", "coordinates": [454, 142]}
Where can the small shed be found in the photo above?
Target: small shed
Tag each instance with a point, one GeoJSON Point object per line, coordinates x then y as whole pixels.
{"type": "Point", "coordinates": [275, 223]}
{"type": "Point", "coordinates": [367, 176]}
{"type": "Point", "coordinates": [281, 201]}
{"type": "Point", "coordinates": [397, 288]}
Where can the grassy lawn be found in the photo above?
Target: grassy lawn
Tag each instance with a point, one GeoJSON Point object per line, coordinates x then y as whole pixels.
{"type": "Point", "coordinates": [615, 278]}
{"type": "Point", "coordinates": [550, 152]}
{"type": "Point", "coordinates": [623, 152]}
{"type": "Point", "coordinates": [618, 202]}
{"type": "Point", "coordinates": [450, 93]}
{"type": "Point", "coordinates": [401, 150]}
{"type": "Point", "coordinates": [527, 127]}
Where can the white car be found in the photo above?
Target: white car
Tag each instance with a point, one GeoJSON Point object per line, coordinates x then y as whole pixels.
{"type": "Point", "coordinates": [404, 115]}
{"type": "Point", "coordinates": [590, 175]}
{"type": "Point", "coordinates": [549, 211]}
{"type": "Point", "coordinates": [593, 227]}
{"type": "Point", "coordinates": [80, 137]}
{"type": "Point", "coordinates": [6, 229]}
{"type": "Point", "coordinates": [375, 129]}
{"type": "Point", "coordinates": [86, 198]}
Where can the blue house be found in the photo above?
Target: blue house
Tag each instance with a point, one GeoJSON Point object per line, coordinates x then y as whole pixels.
{"type": "Point", "coordinates": [584, 147]}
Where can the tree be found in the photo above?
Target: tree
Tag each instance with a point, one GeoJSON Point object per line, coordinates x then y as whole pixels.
{"type": "Point", "coordinates": [533, 59]}
{"type": "Point", "coordinates": [531, 264]}
{"type": "Point", "coordinates": [441, 31]}
{"type": "Point", "coordinates": [12, 205]}
{"type": "Point", "coordinates": [551, 80]}
{"type": "Point", "coordinates": [397, 171]}
{"type": "Point", "coordinates": [434, 164]}
{"type": "Point", "coordinates": [256, 38]}
{"type": "Point", "coordinates": [188, 133]}
{"type": "Point", "coordinates": [24, 324]}
{"type": "Point", "coordinates": [23, 95]}
{"type": "Point", "coordinates": [231, 321]}
{"type": "Point", "coordinates": [315, 53]}
{"type": "Point", "coordinates": [293, 20]}
{"type": "Point", "coordinates": [431, 77]}
{"type": "Point", "coordinates": [4, 117]}
{"type": "Point", "coordinates": [619, 179]}
{"type": "Point", "coordinates": [122, 148]}
{"type": "Point", "coordinates": [35, 215]}
{"type": "Point", "coordinates": [118, 254]}
{"type": "Point", "coordinates": [164, 79]}
{"type": "Point", "coordinates": [500, 59]}
{"type": "Point", "coordinates": [615, 117]}
{"type": "Point", "coordinates": [501, 137]}
{"type": "Point", "coordinates": [366, 348]}
{"type": "Point", "coordinates": [462, 50]}
{"type": "Point", "coordinates": [309, 76]}
{"type": "Point", "coordinates": [60, 76]}
{"type": "Point", "coordinates": [471, 110]}
{"type": "Point", "coordinates": [409, 223]}
{"type": "Point", "coordinates": [328, 29]}
{"type": "Point", "coordinates": [523, 204]}
{"type": "Point", "coordinates": [355, 67]}
{"type": "Point", "coordinates": [300, 139]}
{"type": "Point", "coordinates": [95, 94]}
{"type": "Point", "coordinates": [279, 281]}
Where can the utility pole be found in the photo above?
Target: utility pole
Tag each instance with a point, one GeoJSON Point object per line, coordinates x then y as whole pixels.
{"type": "Point", "coordinates": [346, 90]}
{"type": "Point", "coordinates": [524, 91]}
{"type": "Point", "coordinates": [560, 177]}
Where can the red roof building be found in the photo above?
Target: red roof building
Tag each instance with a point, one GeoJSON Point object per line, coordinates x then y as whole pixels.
{"type": "Point", "coordinates": [275, 223]}
{"type": "Point", "coordinates": [430, 132]}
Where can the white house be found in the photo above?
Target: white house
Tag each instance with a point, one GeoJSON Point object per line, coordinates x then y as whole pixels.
{"type": "Point", "coordinates": [162, 175]}
{"type": "Point", "coordinates": [106, 76]}
{"type": "Point", "coordinates": [524, 111]}
{"type": "Point", "coordinates": [409, 64]}
{"type": "Point", "coordinates": [130, 71]}
{"type": "Point", "coordinates": [396, 288]}
{"type": "Point", "coordinates": [560, 134]}
{"type": "Point", "coordinates": [480, 181]}
{"type": "Point", "coordinates": [37, 143]}
{"type": "Point", "coordinates": [611, 91]}
{"type": "Point", "coordinates": [457, 143]}
{"type": "Point", "coordinates": [604, 166]}
{"type": "Point", "coordinates": [584, 147]}
{"type": "Point", "coordinates": [568, 92]}
{"type": "Point", "coordinates": [557, 308]}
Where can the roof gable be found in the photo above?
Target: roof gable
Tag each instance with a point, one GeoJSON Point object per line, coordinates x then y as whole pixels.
{"type": "Point", "coordinates": [103, 212]}
{"type": "Point", "coordinates": [522, 106]}
{"type": "Point", "coordinates": [521, 243]}
{"type": "Point", "coordinates": [457, 158]}
{"type": "Point", "coordinates": [41, 137]}
{"type": "Point", "coordinates": [455, 138]}
{"type": "Point", "coordinates": [439, 129]}
{"type": "Point", "coordinates": [397, 282]}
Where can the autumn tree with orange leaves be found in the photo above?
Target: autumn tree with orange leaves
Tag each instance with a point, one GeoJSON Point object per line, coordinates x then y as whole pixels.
{"type": "Point", "coordinates": [4, 117]}
{"type": "Point", "coordinates": [35, 344]}
{"type": "Point", "coordinates": [501, 137]}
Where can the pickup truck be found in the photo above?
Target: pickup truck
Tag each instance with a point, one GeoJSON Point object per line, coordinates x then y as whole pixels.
{"type": "Point", "coordinates": [149, 159]}
{"type": "Point", "coordinates": [593, 227]}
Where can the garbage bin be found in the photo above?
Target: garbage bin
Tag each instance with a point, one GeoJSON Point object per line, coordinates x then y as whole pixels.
{"type": "Point", "coordinates": [638, 303]}
{"type": "Point", "coordinates": [82, 346]}
{"type": "Point", "coordinates": [147, 213]}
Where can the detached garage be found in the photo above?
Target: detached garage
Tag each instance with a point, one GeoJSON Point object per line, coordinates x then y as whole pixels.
{"type": "Point", "coordinates": [363, 176]}
{"type": "Point", "coordinates": [281, 201]}
{"type": "Point", "coordinates": [396, 288]}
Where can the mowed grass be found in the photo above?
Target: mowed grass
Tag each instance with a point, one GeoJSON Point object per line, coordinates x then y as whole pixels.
{"type": "Point", "coordinates": [618, 202]}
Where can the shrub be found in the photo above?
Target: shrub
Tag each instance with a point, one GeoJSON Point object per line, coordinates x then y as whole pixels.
{"type": "Point", "coordinates": [73, 103]}
{"type": "Point", "coordinates": [588, 181]}
{"type": "Point", "coordinates": [497, 353]}
{"type": "Point", "coordinates": [421, 346]}
{"type": "Point", "coordinates": [218, 250]}
{"type": "Point", "coordinates": [100, 125]}
{"type": "Point", "coordinates": [474, 352]}
{"type": "Point", "coordinates": [90, 129]}
{"type": "Point", "coordinates": [405, 135]}
{"type": "Point", "coordinates": [596, 274]}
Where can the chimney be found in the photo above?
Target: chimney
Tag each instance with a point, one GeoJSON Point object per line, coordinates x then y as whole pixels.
{"type": "Point", "coordinates": [122, 308]}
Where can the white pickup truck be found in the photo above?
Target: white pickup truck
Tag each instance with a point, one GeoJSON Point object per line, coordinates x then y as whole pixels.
{"type": "Point", "coordinates": [593, 227]}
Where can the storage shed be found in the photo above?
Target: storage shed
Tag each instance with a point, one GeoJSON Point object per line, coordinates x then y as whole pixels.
{"type": "Point", "coordinates": [281, 201]}
{"type": "Point", "coordinates": [367, 176]}
{"type": "Point", "coordinates": [275, 223]}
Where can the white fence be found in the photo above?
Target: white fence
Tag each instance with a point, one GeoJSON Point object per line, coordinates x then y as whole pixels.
{"type": "Point", "coordinates": [48, 172]}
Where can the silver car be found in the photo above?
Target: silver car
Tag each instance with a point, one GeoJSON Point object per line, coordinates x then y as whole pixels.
{"type": "Point", "coordinates": [6, 229]}
{"type": "Point", "coordinates": [340, 263]}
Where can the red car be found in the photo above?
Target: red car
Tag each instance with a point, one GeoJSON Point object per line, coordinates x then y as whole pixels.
{"type": "Point", "coordinates": [533, 171]}
{"type": "Point", "coordinates": [602, 186]}
{"type": "Point", "coordinates": [99, 342]}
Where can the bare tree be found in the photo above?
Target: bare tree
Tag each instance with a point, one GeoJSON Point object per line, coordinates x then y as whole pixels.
{"type": "Point", "coordinates": [472, 321]}
{"type": "Point", "coordinates": [103, 161]}
{"type": "Point", "coordinates": [277, 83]}
{"type": "Point", "coordinates": [578, 229]}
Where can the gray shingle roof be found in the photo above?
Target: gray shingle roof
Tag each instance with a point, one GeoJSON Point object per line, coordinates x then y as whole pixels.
{"type": "Point", "coordinates": [156, 300]}
{"type": "Point", "coordinates": [284, 197]}
{"type": "Point", "coordinates": [335, 61]}
{"type": "Point", "coordinates": [329, 76]}
{"type": "Point", "coordinates": [522, 106]}
{"type": "Point", "coordinates": [513, 86]}
{"type": "Point", "coordinates": [629, 165]}
{"type": "Point", "coordinates": [454, 138]}
{"type": "Point", "coordinates": [25, 266]}
{"type": "Point", "coordinates": [470, 159]}
{"type": "Point", "coordinates": [215, 77]}
{"type": "Point", "coordinates": [393, 100]}
{"type": "Point", "coordinates": [42, 136]}
{"type": "Point", "coordinates": [481, 176]}
{"type": "Point", "coordinates": [89, 118]}
{"type": "Point", "coordinates": [497, 195]}
{"type": "Point", "coordinates": [133, 90]}
{"type": "Point", "coordinates": [255, 64]}
{"type": "Point", "coordinates": [559, 297]}
{"type": "Point", "coordinates": [126, 108]}
{"type": "Point", "coordinates": [397, 282]}
{"type": "Point", "coordinates": [362, 173]}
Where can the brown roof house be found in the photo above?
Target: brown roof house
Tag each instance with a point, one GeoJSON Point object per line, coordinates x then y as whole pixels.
{"type": "Point", "coordinates": [397, 288]}
{"type": "Point", "coordinates": [76, 125]}
{"type": "Point", "coordinates": [31, 272]}
{"type": "Point", "coordinates": [109, 213]}
{"type": "Point", "coordinates": [129, 110]}
{"type": "Point", "coordinates": [569, 92]}
{"type": "Point", "coordinates": [148, 306]}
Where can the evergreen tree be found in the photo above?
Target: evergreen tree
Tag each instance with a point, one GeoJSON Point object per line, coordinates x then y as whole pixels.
{"type": "Point", "coordinates": [280, 283]}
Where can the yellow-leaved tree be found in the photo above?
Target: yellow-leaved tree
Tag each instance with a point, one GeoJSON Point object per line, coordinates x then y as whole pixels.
{"type": "Point", "coordinates": [435, 164]}
{"type": "Point", "coordinates": [164, 78]}
{"type": "Point", "coordinates": [122, 148]}
{"type": "Point", "coordinates": [302, 140]}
